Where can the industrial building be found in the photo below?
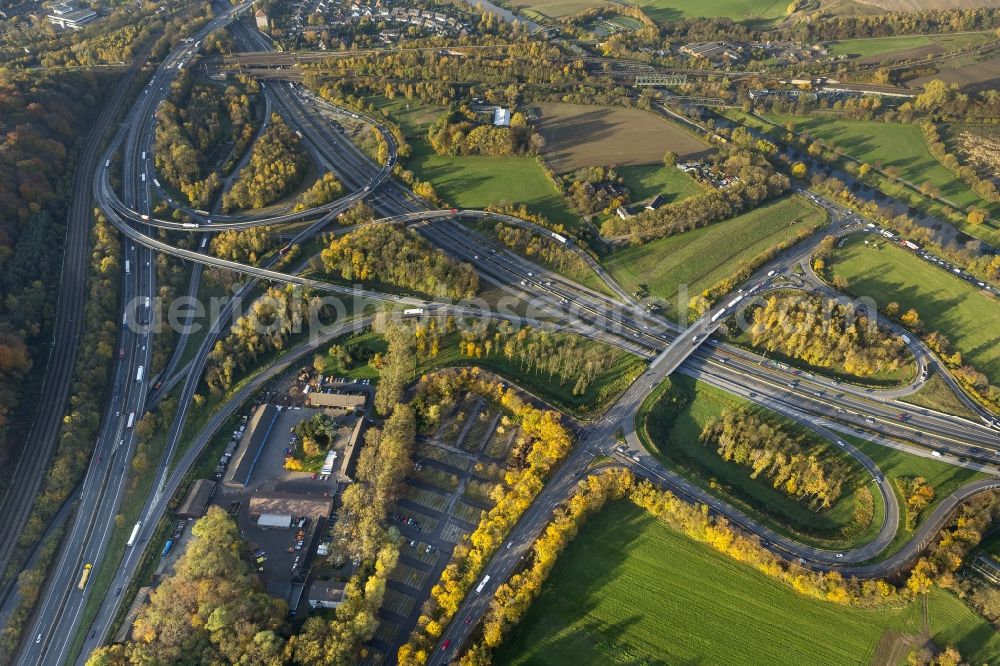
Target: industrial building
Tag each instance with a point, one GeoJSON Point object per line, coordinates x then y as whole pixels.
{"type": "Point", "coordinates": [348, 402]}
{"type": "Point", "coordinates": [69, 15]}
{"type": "Point", "coordinates": [198, 499]}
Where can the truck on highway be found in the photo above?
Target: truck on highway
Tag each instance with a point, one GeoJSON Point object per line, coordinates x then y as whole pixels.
{"type": "Point", "coordinates": [131, 421]}
{"type": "Point", "coordinates": [190, 225]}
{"type": "Point", "coordinates": [128, 267]}
{"type": "Point", "coordinates": [559, 237]}
{"type": "Point", "coordinates": [135, 534]}
{"type": "Point", "coordinates": [482, 584]}
{"type": "Point", "coordinates": [138, 373]}
{"type": "Point", "coordinates": [84, 576]}
{"type": "Point", "coordinates": [142, 177]}
{"type": "Point", "coordinates": [413, 312]}
{"type": "Point", "coordinates": [156, 182]}
{"type": "Point", "coordinates": [107, 163]}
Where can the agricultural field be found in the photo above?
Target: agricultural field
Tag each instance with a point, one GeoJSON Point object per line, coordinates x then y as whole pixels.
{"type": "Point", "coordinates": [970, 77]}
{"type": "Point", "coordinates": [701, 258]}
{"type": "Point", "coordinates": [579, 135]}
{"type": "Point", "coordinates": [739, 10]}
{"type": "Point", "coordinates": [673, 438]}
{"type": "Point", "coordinates": [646, 181]}
{"type": "Point", "coordinates": [556, 8]}
{"type": "Point", "coordinates": [476, 182]}
{"type": "Point", "coordinates": [887, 145]}
{"type": "Point", "coordinates": [908, 46]}
{"type": "Point", "coordinates": [966, 315]}
{"type": "Point", "coordinates": [629, 590]}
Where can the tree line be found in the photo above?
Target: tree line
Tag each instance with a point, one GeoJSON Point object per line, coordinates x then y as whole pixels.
{"type": "Point", "coordinates": [400, 257]}
{"type": "Point", "coordinates": [545, 442]}
{"type": "Point", "coordinates": [825, 334]}
{"type": "Point", "coordinates": [792, 462]}
{"type": "Point", "coordinates": [91, 377]}
{"type": "Point", "coordinates": [755, 181]}
{"type": "Point", "coordinates": [277, 165]}
{"type": "Point", "coordinates": [569, 359]}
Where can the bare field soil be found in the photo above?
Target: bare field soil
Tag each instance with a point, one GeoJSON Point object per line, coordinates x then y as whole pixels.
{"type": "Point", "coordinates": [974, 77]}
{"type": "Point", "coordinates": [578, 136]}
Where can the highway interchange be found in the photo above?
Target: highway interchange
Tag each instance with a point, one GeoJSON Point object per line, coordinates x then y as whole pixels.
{"type": "Point", "coordinates": [831, 409]}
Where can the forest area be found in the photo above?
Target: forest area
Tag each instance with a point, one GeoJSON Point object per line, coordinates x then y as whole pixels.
{"type": "Point", "coordinates": [400, 257]}
{"type": "Point", "coordinates": [200, 128]}
{"type": "Point", "coordinates": [825, 334]}
{"type": "Point", "coordinates": [42, 119]}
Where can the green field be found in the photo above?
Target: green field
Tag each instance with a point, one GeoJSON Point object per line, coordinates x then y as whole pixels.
{"type": "Point", "coordinates": [739, 10]}
{"type": "Point", "coordinates": [937, 395]}
{"type": "Point", "coordinates": [888, 145]}
{"type": "Point", "coordinates": [556, 8]}
{"type": "Point", "coordinates": [646, 181]}
{"type": "Point", "coordinates": [884, 45]}
{"type": "Point", "coordinates": [629, 590]}
{"type": "Point", "coordinates": [966, 315]}
{"type": "Point", "coordinates": [673, 439]}
{"type": "Point", "coordinates": [944, 478]}
{"type": "Point", "coordinates": [701, 258]}
{"type": "Point", "coordinates": [476, 182]}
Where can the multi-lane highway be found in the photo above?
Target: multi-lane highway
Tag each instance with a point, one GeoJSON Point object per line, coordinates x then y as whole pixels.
{"type": "Point", "coordinates": [823, 405]}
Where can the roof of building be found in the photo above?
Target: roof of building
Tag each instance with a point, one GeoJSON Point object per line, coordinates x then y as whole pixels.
{"type": "Point", "coordinates": [197, 499]}
{"type": "Point", "coordinates": [327, 591]}
{"type": "Point", "coordinates": [291, 504]}
{"type": "Point", "coordinates": [261, 13]}
{"type": "Point", "coordinates": [656, 202]}
{"type": "Point", "coordinates": [349, 457]}
{"type": "Point", "coordinates": [251, 445]}
{"type": "Point", "coordinates": [337, 400]}
{"type": "Point", "coordinates": [501, 117]}
{"type": "Point", "coordinates": [275, 520]}
{"type": "Point", "coordinates": [73, 16]}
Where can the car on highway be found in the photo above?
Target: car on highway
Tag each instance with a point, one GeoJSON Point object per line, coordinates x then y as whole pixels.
{"type": "Point", "coordinates": [446, 645]}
